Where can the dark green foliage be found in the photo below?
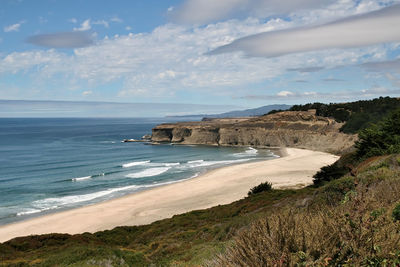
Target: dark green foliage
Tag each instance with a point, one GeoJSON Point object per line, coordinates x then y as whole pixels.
{"type": "Point", "coordinates": [396, 212]}
{"type": "Point", "coordinates": [356, 115]}
{"type": "Point", "coordinates": [329, 173]}
{"type": "Point", "coordinates": [336, 170]}
{"type": "Point", "coordinates": [380, 139]}
{"type": "Point", "coordinates": [267, 186]}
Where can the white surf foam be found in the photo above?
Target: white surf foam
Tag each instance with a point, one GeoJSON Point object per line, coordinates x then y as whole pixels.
{"type": "Point", "coordinates": [30, 211]}
{"type": "Point", "coordinates": [203, 163]}
{"type": "Point", "coordinates": [249, 152]}
{"type": "Point", "coordinates": [68, 200]}
{"type": "Point", "coordinates": [81, 178]}
{"type": "Point", "coordinates": [149, 172]}
{"type": "Point", "coordinates": [33, 211]}
{"type": "Point", "coordinates": [135, 163]}
{"type": "Point", "coordinates": [163, 164]}
{"type": "Point", "coordinates": [54, 203]}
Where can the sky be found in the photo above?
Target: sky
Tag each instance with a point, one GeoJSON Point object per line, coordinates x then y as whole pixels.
{"type": "Point", "coordinates": [225, 53]}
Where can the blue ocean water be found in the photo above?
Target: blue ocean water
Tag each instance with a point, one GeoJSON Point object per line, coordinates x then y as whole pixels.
{"type": "Point", "coordinates": [48, 165]}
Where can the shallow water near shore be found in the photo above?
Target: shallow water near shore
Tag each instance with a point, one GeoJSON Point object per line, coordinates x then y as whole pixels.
{"type": "Point", "coordinates": [48, 165]}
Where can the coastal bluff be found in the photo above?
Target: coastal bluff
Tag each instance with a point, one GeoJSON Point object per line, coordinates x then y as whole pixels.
{"type": "Point", "coordinates": [297, 129]}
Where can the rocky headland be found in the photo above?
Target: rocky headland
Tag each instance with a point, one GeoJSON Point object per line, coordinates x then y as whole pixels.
{"type": "Point", "coordinates": [297, 129]}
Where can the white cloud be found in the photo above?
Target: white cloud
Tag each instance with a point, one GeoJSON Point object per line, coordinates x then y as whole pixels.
{"type": "Point", "coordinates": [391, 69]}
{"type": "Point", "coordinates": [171, 60]}
{"type": "Point", "coordinates": [62, 40]}
{"type": "Point", "coordinates": [206, 11]}
{"type": "Point", "coordinates": [116, 19]}
{"type": "Point", "coordinates": [73, 20]}
{"type": "Point", "coordinates": [128, 28]}
{"type": "Point", "coordinates": [85, 26]}
{"type": "Point", "coordinates": [14, 27]}
{"type": "Point", "coordinates": [285, 93]}
{"type": "Point", "coordinates": [101, 22]}
{"type": "Point", "coordinates": [347, 95]}
{"type": "Point", "coordinates": [87, 93]}
{"type": "Point", "coordinates": [362, 30]}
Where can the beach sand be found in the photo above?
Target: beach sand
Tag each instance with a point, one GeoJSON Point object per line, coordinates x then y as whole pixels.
{"type": "Point", "coordinates": [216, 187]}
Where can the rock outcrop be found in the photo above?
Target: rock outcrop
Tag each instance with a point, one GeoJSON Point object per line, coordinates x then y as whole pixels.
{"type": "Point", "coordinates": [285, 129]}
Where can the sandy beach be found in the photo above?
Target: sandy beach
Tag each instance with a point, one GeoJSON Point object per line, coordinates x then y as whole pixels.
{"type": "Point", "coordinates": [216, 187]}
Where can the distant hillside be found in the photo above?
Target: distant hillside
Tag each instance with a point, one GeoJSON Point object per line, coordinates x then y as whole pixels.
{"type": "Point", "coordinates": [250, 112]}
{"type": "Point", "coordinates": [239, 113]}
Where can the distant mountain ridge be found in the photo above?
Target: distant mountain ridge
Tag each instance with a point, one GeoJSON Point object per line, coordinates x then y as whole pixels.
{"type": "Point", "coordinates": [241, 113]}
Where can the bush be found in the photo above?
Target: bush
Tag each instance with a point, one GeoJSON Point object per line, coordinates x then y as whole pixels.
{"type": "Point", "coordinates": [336, 170]}
{"type": "Point", "coordinates": [267, 186]}
{"type": "Point", "coordinates": [380, 139]}
{"type": "Point", "coordinates": [396, 212]}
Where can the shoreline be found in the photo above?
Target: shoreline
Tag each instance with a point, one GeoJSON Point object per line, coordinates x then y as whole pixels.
{"type": "Point", "coordinates": [216, 187]}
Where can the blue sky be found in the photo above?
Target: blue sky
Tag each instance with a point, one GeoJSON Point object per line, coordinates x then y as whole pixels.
{"type": "Point", "coordinates": [244, 53]}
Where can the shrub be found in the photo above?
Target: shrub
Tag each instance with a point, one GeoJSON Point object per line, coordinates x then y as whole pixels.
{"type": "Point", "coordinates": [267, 186]}
{"type": "Point", "coordinates": [336, 170]}
{"type": "Point", "coordinates": [357, 232]}
{"type": "Point", "coordinates": [380, 139]}
{"type": "Point", "coordinates": [396, 212]}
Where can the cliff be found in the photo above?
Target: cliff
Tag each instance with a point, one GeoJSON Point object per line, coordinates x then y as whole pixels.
{"type": "Point", "coordinates": [301, 129]}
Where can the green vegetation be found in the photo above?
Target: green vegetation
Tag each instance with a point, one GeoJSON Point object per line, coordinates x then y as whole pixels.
{"type": "Point", "coordinates": [350, 217]}
{"type": "Point", "coordinates": [396, 212]}
{"type": "Point", "coordinates": [267, 186]}
{"type": "Point", "coordinates": [356, 115]}
{"type": "Point", "coordinates": [380, 139]}
{"type": "Point", "coordinates": [347, 222]}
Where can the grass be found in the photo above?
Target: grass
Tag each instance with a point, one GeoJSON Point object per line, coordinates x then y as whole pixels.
{"type": "Point", "coordinates": [345, 221]}
{"type": "Point", "coordinates": [358, 230]}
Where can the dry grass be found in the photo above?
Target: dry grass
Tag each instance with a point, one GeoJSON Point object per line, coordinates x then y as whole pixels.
{"type": "Point", "coordinates": [360, 231]}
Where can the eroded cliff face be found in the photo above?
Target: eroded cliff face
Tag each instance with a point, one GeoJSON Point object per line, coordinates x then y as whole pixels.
{"type": "Point", "coordinates": [287, 129]}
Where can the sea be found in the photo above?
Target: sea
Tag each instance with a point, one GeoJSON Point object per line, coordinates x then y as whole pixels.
{"type": "Point", "coordinates": [48, 165]}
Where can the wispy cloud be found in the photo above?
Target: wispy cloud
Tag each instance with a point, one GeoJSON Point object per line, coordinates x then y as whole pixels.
{"type": "Point", "coordinates": [62, 40]}
{"type": "Point", "coordinates": [102, 22]}
{"type": "Point", "coordinates": [391, 69]}
{"type": "Point", "coordinates": [333, 80]}
{"type": "Point", "coordinates": [14, 27]}
{"type": "Point", "coordinates": [361, 30]}
{"type": "Point", "coordinates": [85, 26]}
{"type": "Point", "coordinates": [171, 60]}
{"type": "Point", "coordinates": [206, 11]}
{"type": "Point", "coordinates": [116, 19]}
{"type": "Point", "coordinates": [337, 95]}
{"type": "Point", "coordinates": [87, 93]}
{"type": "Point", "coordinates": [383, 66]}
{"type": "Point", "coordinates": [307, 69]}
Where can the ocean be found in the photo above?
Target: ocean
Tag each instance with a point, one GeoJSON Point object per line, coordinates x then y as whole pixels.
{"type": "Point", "coordinates": [49, 165]}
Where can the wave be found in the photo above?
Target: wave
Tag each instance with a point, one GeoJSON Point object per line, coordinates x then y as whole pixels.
{"type": "Point", "coordinates": [163, 164]}
{"type": "Point", "coordinates": [148, 173]}
{"type": "Point", "coordinates": [107, 142]}
{"type": "Point", "coordinates": [54, 203]}
{"type": "Point", "coordinates": [48, 203]}
{"type": "Point", "coordinates": [203, 163]}
{"type": "Point", "coordinates": [81, 178]}
{"type": "Point", "coordinates": [135, 163]}
{"type": "Point", "coordinates": [89, 177]}
{"type": "Point", "coordinates": [249, 152]}
{"type": "Point", "coordinates": [31, 211]}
